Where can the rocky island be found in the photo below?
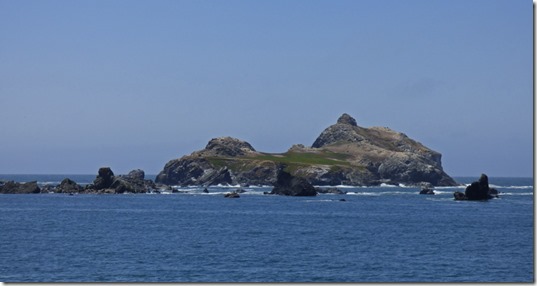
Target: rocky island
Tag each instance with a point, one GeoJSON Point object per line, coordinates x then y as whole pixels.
{"type": "Point", "coordinates": [343, 154]}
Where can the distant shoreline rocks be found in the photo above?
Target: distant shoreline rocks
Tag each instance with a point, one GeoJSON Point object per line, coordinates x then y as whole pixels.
{"type": "Point", "coordinates": [12, 187]}
{"type": "Point", "coordinates": [343, 154]}
{"type": "Point", "coordinates": [105, 183]}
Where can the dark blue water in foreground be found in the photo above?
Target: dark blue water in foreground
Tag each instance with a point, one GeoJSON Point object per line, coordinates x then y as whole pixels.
{"type": "Point", "coordinates": [379, 234]}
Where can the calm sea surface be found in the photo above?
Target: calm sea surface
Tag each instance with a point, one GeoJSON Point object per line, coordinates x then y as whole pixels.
{"type": "Point", "coordinates": [378, 234]}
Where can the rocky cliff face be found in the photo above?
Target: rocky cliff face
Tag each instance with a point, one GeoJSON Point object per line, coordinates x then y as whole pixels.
{"type": "Point", "coordinates": [344, 153]}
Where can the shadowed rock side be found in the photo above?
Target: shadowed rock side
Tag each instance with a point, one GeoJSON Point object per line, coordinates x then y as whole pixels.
{"type": "Point", "coordinates": [343, 154]}
{"type": "Point", "coordinates": [289, 185]}
{"type": "Point", "coordinates": [477, 191]}
{"type": "Point", "coordinates": [107, 182]}
{"type": "Point", "coordinates": [11, 187]}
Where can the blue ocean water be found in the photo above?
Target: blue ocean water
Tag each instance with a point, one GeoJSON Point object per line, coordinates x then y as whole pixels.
{"type": "Point", "coordinates": [378, 234]}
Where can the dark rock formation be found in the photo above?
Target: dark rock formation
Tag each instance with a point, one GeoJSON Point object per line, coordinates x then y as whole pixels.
{"type": "Point", "coordinates": [11, 187]}
{"type": "Point", "coordinates": [459, 196]}
{"type": "Point", "coordinates": [477, 191]}
{"type": "Point", "coordinates": [232, 195]}
{"type": "Point", "coordinates": [494, 193]}
{"type": "Point", "coordinates": [135, 182]}
{"type": "Point", "coordinates": [343, 154]}
{"type": "Point", "coordinates": [104, 179]}
{"type": "Point", "coordinates": [137, 175]}
{"type": "Point", "coordinates": [427, 191]}
{"type": "Point", "coordinates": [330, 191]}
{"type": "Point", "coordinates": [288, 185]}
{"type": "Point", "coordinates": [107, 182]}
{"type": "Point", "coordinates": [68, 186]}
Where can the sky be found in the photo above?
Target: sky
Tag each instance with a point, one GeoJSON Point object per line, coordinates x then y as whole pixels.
{"type": "Point", "coordinates": [133, 84]}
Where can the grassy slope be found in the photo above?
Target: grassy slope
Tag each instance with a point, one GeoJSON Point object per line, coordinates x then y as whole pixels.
{"type": "Point", "coordinates": [292, 159]}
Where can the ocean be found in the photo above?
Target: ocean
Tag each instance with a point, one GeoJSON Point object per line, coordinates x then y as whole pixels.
{"type": "Point", "coordinates": [376, 234]}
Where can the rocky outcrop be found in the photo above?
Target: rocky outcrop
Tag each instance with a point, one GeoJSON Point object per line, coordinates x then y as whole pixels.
{"type": "Point", "coordinates": [343, 154]}
{"type": "Point", "coordinates": [68, 186]}
{"type": "Point", "coordinates": [11, 187]}
{"type": "Point", "coordinates": [289, 185]}
{"type": "Point", "coordinates": [224, 161]}
{"type": "Point", "coordinates": [228, 146]}
{"type": "Point", "coordinates": [107, 182]}
{"type": "Point", "coordinates": [135, 182]}
{"type": "Point", "coordinates": [477, 191]}
{"type": "Point", "coordinates": [104, 180]}
{"type": "Point", "coordinates": [390, 157]}
{"type": "Point", "coordinates": [427, 191]}
{"type": "Point", "coordinates": [232, 195]}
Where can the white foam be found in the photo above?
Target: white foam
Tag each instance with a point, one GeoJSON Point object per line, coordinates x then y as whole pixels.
{"type": "Point", "coordinates": [228, 186]}
{"type": "Point", "coordinates": [363, 194]}
{"type": "Point", "coordinates": [510, 187]}
{"type": "Point", "coordinates": [437, 192]}
{"type": "Point", "coordinates": [338, 186]}
{"type": "Point", "coordinates": [515, 194]}
{"type": "Point", "coordinates": [388, 185]}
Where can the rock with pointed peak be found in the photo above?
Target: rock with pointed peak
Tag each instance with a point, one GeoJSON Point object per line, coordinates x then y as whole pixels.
{"type": "Point", "coordinates": [343, 154]}
{"type": "Point", "coordinates": [228, 146]}
{"type": "Point", "coordinates": [347, 119]}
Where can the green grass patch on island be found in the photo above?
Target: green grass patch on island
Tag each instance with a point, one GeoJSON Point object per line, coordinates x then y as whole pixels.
{"type": "Point", "coordinates": [305, 158]}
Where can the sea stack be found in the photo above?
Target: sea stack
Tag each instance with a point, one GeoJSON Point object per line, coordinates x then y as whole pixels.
{"type": "Point", "coordinates": [477, 191]}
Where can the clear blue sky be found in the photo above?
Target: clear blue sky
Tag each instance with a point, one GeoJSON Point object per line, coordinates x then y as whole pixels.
{"type": "Point", "coordinates": [132, 84]}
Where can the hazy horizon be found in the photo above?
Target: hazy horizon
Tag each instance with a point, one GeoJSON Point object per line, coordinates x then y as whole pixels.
{"type": "Point", "coordinates": [134, 84]}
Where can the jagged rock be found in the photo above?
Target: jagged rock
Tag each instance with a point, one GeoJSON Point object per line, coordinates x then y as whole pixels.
{"type": "Point", "coordinates": [288, 185]}
{"type": "Point", "coordinates": [347, 119]}
{"type": "Point", "coordinates": [383, 154]}
{"type": "Point", "coordinates": [216, 177]}
{"type": "Point", "coordinates": [228, 146]}
{"type": "Point", "coordinates": [340, 132]}
{"type": "Point", "coordinates": [137, 174]}
{"type": "Point", "coordinates": [459, 196]}
{"type": "Point", "coordinates": [104, 179]}
{"type": "Point", "coordinates": [232, 195]}
{"type": "Point", "coordinates": [494, 193]}
{"type": "Point", "coordinates": [184, 171]}
{"type": "Point", "coordinates": [344, 154]}
{"type": "Point", "coordinates": [107, 182]}
{"type": "Point", "coordinates": [477, 191]}
{"type": "Point", "coordinates": [427, 191]}
{"type": "Point", "coordinates": [11, 187]}
{"type": "Point", "coordinates": [133, 182]}
{"type": "Point", "coordinates": [68, 186]}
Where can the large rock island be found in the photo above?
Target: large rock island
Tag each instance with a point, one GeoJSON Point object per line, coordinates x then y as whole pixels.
{"type": "Point", "coordinates": [343, 154]}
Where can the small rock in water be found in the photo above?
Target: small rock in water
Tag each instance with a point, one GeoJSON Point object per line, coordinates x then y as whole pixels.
{"type": "Point", "coordinates": [232, 195]}
{"type": "Point", "coordinates": [427, 191]}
